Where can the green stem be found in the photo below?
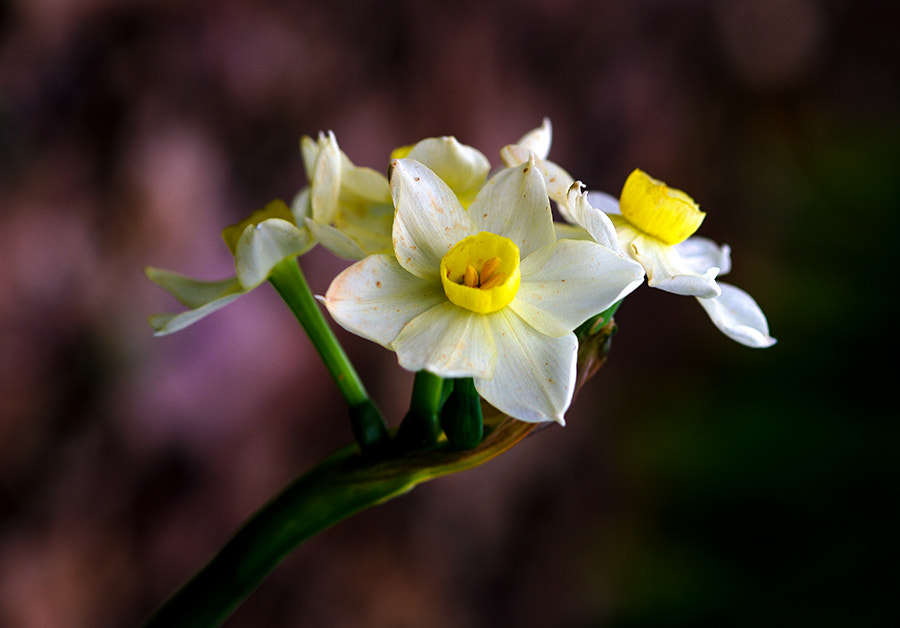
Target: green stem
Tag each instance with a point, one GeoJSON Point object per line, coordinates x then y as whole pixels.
{"type": "Point", "coordinates": [461, 416]}
{"type": "Point", "coordinates": [340, 486]}
{"type": "Point", "coordinates": [421, 426]}
{"type": "Point", "coordinates": [368, 424]}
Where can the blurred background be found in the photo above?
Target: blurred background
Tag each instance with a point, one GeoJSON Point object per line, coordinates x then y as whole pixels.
{"type": "Point", "coordinates": [698, 482]}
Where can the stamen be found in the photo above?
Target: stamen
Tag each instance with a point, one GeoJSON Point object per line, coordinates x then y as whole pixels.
{"type": "Point", "coordinates": [493, 281]}
{"type": "Point", "coordinates": [470, 279]}
{"type": "Point", "coordinates": [488, 270]}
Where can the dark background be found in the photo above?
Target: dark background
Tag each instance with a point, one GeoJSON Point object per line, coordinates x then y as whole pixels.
{"type": "Point", "coordinates": [698, 482]}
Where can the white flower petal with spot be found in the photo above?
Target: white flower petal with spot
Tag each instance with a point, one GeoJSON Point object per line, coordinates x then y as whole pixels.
{"type": "Point", "coordinates": [429, 218]}
{"type": "Point", "coordinates": [376, 297]}
{"type": "Point", "coordinates": [514, 204]}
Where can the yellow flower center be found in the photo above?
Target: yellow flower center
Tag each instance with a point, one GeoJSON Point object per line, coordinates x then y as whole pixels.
{"type": "Point", "coordinates": [658, 210]}
{"type": "Point", "coordinates": [481, 272]}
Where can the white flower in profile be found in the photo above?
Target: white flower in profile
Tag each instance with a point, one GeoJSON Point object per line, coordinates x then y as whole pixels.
{"type": "Point", "coordinates": [350, 210]}
{"type": "Point", "coordinates": [654, 224]}
{"type": "Point", "coordinates": [487, 293]}
{"type": "Point", "coordinates": [258, 243]}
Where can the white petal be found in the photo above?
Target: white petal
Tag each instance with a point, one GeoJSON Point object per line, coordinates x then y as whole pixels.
{"type": "Point", "coordinates": [568, 282]}
{"type": "Point", "coordinates": [607, 203]}
{"type": "Point", "coordinates": [170, 323]}
{"type": "Point", "coordinates": [535, 375]}
{"type": "Point", "coordinates": [448, 341]}
{"type": "Point", "coordinates": [309, 151]}
{"type": "Point", "coordinates": [591, 218]}
{"type": "Point", "coordinates": [738, 316]}
{"type": "Point", "coordinates": [325, 183]}
{"type": "Point", "coordinates": [301, 206]}
{"type": "Point", "coordinates": [537, 141]}
{"type": "Point", "coordinates": [376, 297]}
{"type": "Point", "coordinates": [514, 204]}
{"type": "Point", "coordinates": [192, 293]}
{"type": "Point", "coordinates": [556, 179]}
{"type": "Point", "coordinates": [666, 268]}
{"type": "Point", "coordinates": [335, 241]}
{"type": "Point", "coordinates": [462, 167]}
{"type": "Point", "coordinates": [429, 219]}
{"type": "Point", "coordinates": [264, 245]}
{"type": "Point", "coordinates": [699, 254]}
{"type": "Point", "coordinates": [359, 184]}
{"type": "Point", "coordinates": [565, 231]}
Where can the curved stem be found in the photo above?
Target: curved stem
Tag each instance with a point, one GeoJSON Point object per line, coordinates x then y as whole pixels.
{"type": "Point", "coordinates": [289, 282]}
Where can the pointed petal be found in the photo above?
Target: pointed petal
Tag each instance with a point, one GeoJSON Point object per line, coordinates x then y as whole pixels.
{"type": "Point", "coordinates": [309, 151]}
{"type": "Point", "coordinates": [170, 323]}
{"type": "Point", "coordinates": [738, 316]}
{"type": "Point", "coordinates": [557, 180]}
{"type": "Point", "coordinates": [375, 298]}
{"type": "Point", "coordinates": [203, 297]}
{"type": "Point", "coordinates": [535, 375]}
{"type": "Point", "coordinates": [448, 341]}
{"type": "Point", "coordinates": [429, 219]}
{"type": "Point", "coordinates": [538, 140]}
{"type": "Point", "coordinates": [591, 218]}
{"type": "Point", "coordinates": [514, 204]}
{"type": "Point", "coordinates": [192, 293]}
{"type": "Point", "coordinates": [568, 282]}
{"type": "Point", "coordinates": [264, 245]}
{"type": "Point", "coordinates": [462, 167]}
{"type": "Point", "coordinates": [325, 183]}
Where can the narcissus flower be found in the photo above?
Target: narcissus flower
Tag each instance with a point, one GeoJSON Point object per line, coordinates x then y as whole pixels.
{"type": "Point", "coordinates": [267, 237]}
{"type": "Point", "coordinates": [654, 224]}
{"type": "Point", "coordinates": [350, 210]}
{"type": "Point", "coordinates": [487, 293]}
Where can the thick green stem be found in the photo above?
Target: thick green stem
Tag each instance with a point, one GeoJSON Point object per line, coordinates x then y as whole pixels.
{"type": "Point", "coordinates": [368, 424]}
{"type": "Point", "coordinates": [340, 486]}
{"type": "Point", "coordinates": [421, 426]}
{"type": "Point", "coordinates": [461, 416]}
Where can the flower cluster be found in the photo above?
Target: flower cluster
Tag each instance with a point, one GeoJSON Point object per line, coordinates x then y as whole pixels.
{"type": "Point", "coordinates": [466, 276]}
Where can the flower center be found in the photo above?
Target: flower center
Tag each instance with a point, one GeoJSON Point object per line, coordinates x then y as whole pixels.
{"type": "Point", "coordinates": [658, 210]}
{"type": "Point", "coordinates": [481, 272]}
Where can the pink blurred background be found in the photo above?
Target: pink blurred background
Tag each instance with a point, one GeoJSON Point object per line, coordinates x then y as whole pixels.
{"type": "Point", "coordinates": [697, 483]}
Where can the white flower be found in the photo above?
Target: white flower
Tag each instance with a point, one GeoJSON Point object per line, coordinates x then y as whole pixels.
{"type": "Point", "coordinates": [350, 209]}
{"type": "Point", "coordinates": [487, 293]}
{"type": "Point", "coordinates": [269, 236]}
{"type": "Point", "coordinates": [653, 223]}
